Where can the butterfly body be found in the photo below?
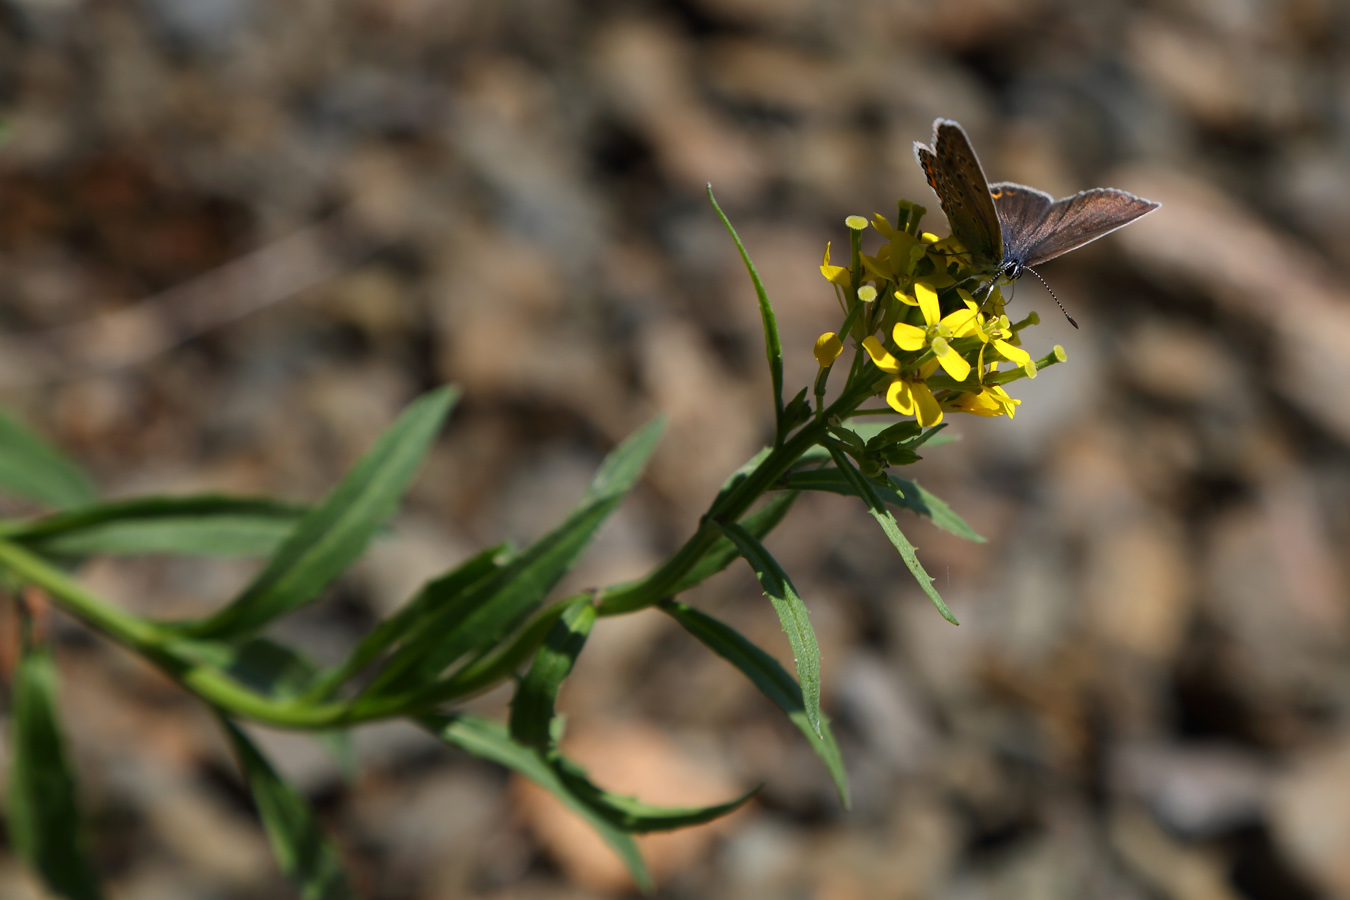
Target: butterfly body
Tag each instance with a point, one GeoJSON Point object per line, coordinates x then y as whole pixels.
{"type": "Point", "coordinates": [1007, 228]}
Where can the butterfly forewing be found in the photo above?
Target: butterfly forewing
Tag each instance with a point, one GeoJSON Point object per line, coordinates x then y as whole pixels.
{"type": "Point", "coordinates": [1080, 219]}
{"type": "Point", "coordinates": [953, 172]}
{"type": "Point", "coordinates": [1010, 226]}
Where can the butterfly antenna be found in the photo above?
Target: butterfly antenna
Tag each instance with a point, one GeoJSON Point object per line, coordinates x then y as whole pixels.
{"type": "Point", "coordinates": [1053, 297]}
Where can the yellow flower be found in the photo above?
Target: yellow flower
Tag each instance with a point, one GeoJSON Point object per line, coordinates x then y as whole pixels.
{"type": "Point", "coordinates": [834, 274]}
{"type": "Point", "coordinates": [939, 331]}
{"type": "Point", "coordinates": [991, 400]}
{"type": "Point", "coordinates": [908, 395]}
{"type": "Point", "coordinates": [828, 348]}
{"type": "Point", "coordinates": [995, 331]}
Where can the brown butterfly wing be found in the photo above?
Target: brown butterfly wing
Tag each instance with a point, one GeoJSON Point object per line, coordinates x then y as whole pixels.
{"type": "Point", "coordinates": [1033, 237]}
{"type": "Point", "coordinates": [1021, 212]}
{"type": "Point", "coordinates": [953, 172]}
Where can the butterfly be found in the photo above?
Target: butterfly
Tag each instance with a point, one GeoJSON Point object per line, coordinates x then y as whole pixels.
{"type": "Point", "coordinates": [1008, 228]}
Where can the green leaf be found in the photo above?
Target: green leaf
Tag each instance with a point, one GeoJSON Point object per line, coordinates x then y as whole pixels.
{"type": "Point", "coordinates": [533, 706]}
{"type": "Point", "coordinates": [631, 814]}
{"type": "Point", "coordinates": [773, 345]}
{"type": "Point", "coordinates": [489, 740]}
{"type": "Point", "coordinates": [205, 525]}
{"type": "Point", "coordinates": [724, 552]}
{"type": "Point", "coordinates": [485, 615]}
{"type": "Point", "coordinates": [925, 503]}
{"type": "Point", "coordinates": [271, 668]}
{"type": "Point", "coordinates": [302, 850]}
{"type": "Point", "coordinates": [268, 668]}
{"type": "Point", "coordinates": [409, 618]}
{"type": "Point", "coordinates": [901, 492]}
{"type": "Point", "coordinates": [34, 470]}
{"type": "Point", "coordinates": [868, 492]}
{"type": "Point", "coordinates": [792, 613]}
{"type": "Point", "coordinates": [735, 479]}
{"type": "Point", "coordinates": [489, 667]}
{"type": "Point", "coordinates": [335, 533]}
{"type": "Point", "coordinates": [42, 807]}
{"type": "Point", "coordinates": [772, 680]}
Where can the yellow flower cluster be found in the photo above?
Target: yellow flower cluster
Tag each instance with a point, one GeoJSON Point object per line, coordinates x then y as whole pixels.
{"type": "Point", "coordinates": [945, 348]}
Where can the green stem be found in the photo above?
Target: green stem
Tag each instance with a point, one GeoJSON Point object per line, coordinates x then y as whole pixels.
{"type": "Point", "coordinates": [656, 586]}
{"type": "Point", "coordinates": [156, 644]}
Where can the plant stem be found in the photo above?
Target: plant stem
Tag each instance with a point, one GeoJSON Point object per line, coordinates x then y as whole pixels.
{"type": "Point", "coordinates": [648, 591]}
{"type": "Point", "coordinates": [156, 644]}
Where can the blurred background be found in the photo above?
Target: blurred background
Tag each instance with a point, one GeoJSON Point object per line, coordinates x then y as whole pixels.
{"type": "Point", "coordinates": [236, 237]}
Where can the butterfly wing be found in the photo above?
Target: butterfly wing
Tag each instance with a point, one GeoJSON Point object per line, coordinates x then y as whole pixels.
{"type": "Point", "coordinates": [1070, 223]}
{"type": "Point", "coordinates": [953, 172]}
{"type": "Point", "coordinates": [1021, 211]}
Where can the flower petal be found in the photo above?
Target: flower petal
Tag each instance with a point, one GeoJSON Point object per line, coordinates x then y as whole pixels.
{"type": "Point", "coordinates": [909, 337]}
{"type": "Point", "coordinates": [929, 410]}
{"type": "Point", "coordinates": [834, 274]}
{"type": "Point", "coordinates": [928, 302]}
{"type": "Point", "coordinates": [962, 322]}
{"type": "Point", "coordinates": [952, 362]}
{"type": "Point", "coordinates": [881, 356]}
{"type": "Point", "coordinates": [900, 397]}
{"type": "Point", "coordinates": [1011, 353]}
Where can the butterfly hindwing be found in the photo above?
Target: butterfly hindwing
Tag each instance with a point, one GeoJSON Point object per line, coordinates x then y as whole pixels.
{"type": "Point", "coordinates": [954, 173]}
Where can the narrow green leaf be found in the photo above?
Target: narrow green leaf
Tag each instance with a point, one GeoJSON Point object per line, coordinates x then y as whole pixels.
{"type": "Point", "coordinates": [335, 533]}
{"type": "Point", "coordinates": [792, 613]}
{"type": "Point", "coordinates": [773, 344]}
{"type": "Point", "coordinates": [302, 850]}
{"type": "Point", "coordinates": [482, 617]}
{"type": "Point", "coordinates": [533, 706]}
{"type": "Point", "coordinates": [631, 814]}
{"type": "Point", "coordinates": [489, 667]}
{"type": "Point", "coordinates": [271, 668]}
{"type": "Point", "coordinates": [268, 668]}
{"type": "Point", "coordinates": [42, 806]}
{"type": "Point", "coordinates": [206, 525]}
{"type": "Point", "coordinates": [735, 478]}
{"type": "Point", "coordinates": [489, 740]}
{"type": "Point", "coordinates": [409, 618]}
{"type": "Point", "coordinates": [925, 503]}
{"type": "Point", "coordinates": [772, 680]}
{"type": "Point", "coordinates": [868, 492]}
{"type": "Point", "coordinates": [34, 470]}
{"type": "Point", "coordinates": [901, 492]}
{"type": "Point", "coordinates": [722, 553]}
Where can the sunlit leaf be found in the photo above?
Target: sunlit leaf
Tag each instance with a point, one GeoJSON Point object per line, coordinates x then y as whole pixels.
{"type": "Point", "coordinates": [868, 492]}
{"type": "Point", "coordinates": [792, 614]}
{"type": "Point", "coordinates": [772, 680]}
{"type": "Point", "coordinates": [335, 533]}
{"type": "Point", "coordinates": [532, 707]}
